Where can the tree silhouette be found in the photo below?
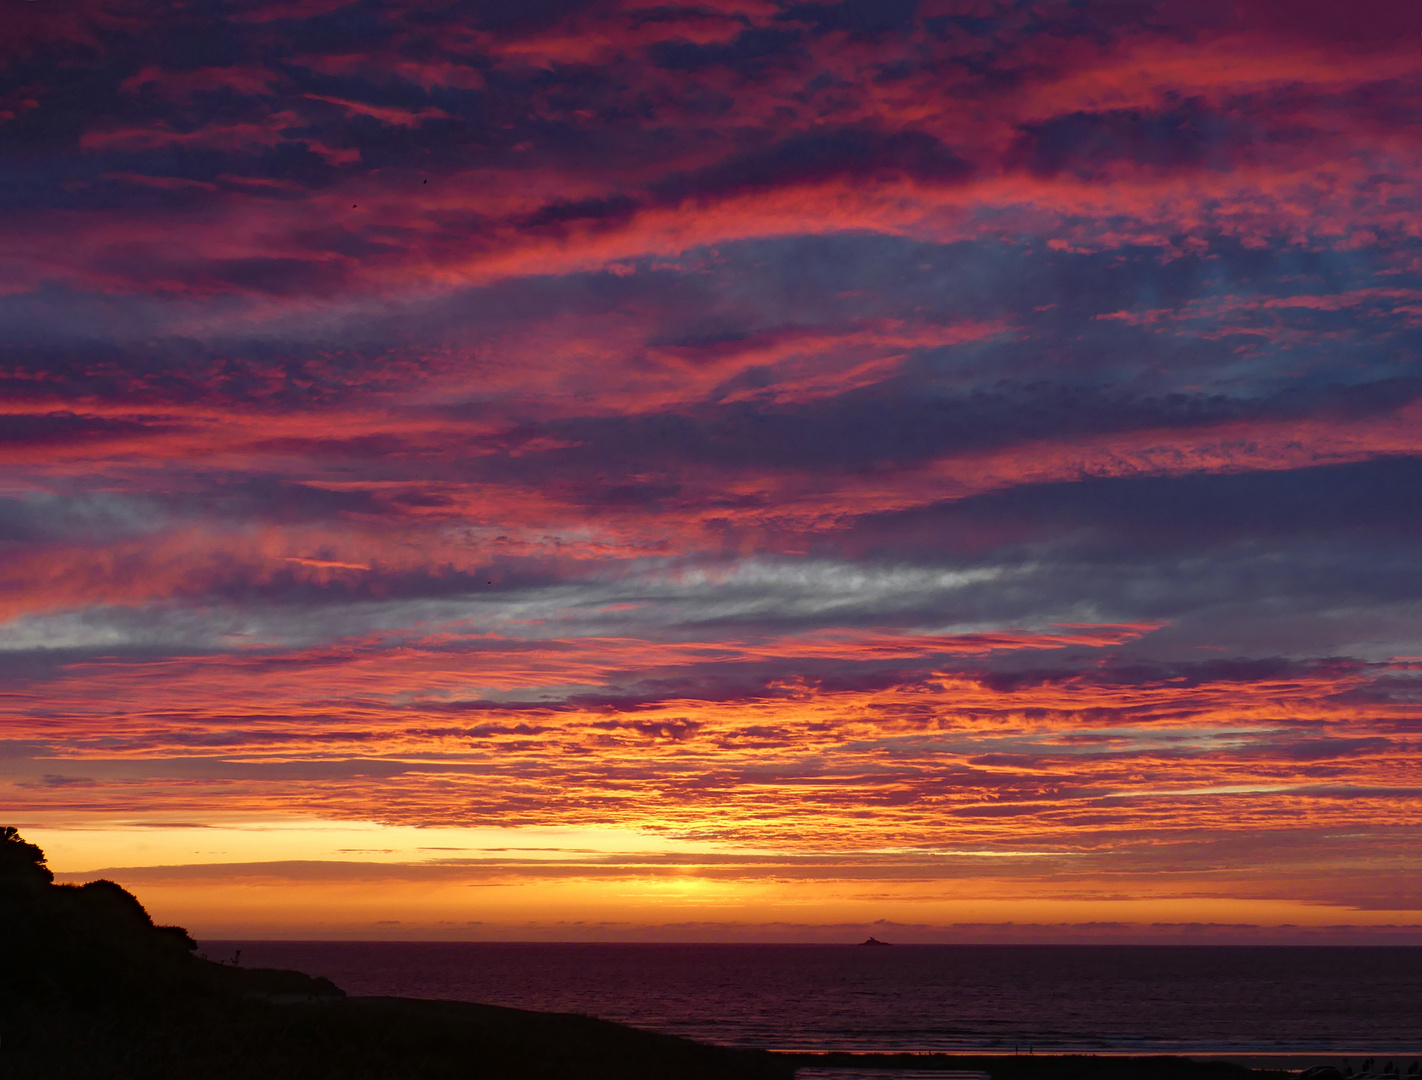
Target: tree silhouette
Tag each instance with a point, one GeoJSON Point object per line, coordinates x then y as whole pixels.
{"type": "Point", "coordinates": [19, 858]}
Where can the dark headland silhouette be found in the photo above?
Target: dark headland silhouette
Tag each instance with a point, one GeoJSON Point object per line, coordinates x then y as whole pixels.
{"type": "Point", "coordinates": [91, 989]}
{"type": "Point", "coordinates": [875, 941]}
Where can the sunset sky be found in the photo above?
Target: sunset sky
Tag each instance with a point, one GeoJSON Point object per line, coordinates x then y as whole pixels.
{"type": "Point", "coordinates": [723, 470]}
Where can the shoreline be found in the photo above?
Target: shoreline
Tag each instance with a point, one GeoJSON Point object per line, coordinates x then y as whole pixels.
{"type": "Point", "coordinates": [1260, 1061]}
{"type": "Point", "coordinates": [1077, 1065]}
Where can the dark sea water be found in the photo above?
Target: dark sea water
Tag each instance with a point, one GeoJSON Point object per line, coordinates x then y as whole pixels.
{"type": "Point", "coordinates": [964, 998]}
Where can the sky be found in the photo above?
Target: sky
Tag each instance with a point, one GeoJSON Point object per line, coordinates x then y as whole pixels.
{"type": "Point", "coordinates": [723, 470]}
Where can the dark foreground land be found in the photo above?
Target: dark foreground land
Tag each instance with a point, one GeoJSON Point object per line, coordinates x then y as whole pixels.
{"type": "Point", "coordinates": [90, 988]}
{"type": "Point", "coordinates": [356, 1039]}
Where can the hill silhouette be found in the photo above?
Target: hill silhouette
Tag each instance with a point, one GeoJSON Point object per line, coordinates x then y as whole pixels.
{"type": "Point", "coordinates": [94, 946]}
{"type": "Point", "coordinates": [91, 987]}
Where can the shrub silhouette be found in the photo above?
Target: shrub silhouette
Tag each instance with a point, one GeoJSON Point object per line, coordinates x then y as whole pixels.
{"type": "Point", "coordinates": [19, 859]}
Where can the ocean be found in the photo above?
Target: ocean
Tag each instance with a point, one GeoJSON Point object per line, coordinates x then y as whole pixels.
{"type": "Point", "coordinates": [1202, 1001]}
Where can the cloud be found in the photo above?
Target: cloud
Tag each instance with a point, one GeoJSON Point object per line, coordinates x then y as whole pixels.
{"type": "Point", "coordinates": [808, 428]}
